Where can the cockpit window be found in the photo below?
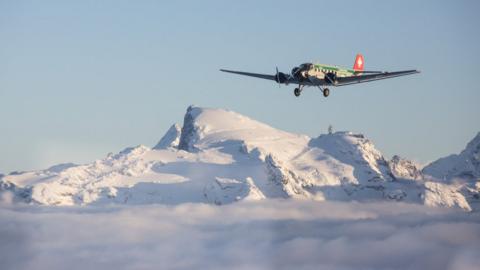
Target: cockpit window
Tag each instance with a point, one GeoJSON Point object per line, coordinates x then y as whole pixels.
{"type": "Point", "coordinates": [306, 65]}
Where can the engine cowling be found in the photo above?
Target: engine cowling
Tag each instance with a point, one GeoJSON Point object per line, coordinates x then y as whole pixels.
{"type": "Point", "coordinates": [295, 70]}
{"type": "Point", "coordinates": [281, 77]}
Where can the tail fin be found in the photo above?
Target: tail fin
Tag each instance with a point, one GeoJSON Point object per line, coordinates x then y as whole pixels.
{"type": "Point", "coordinates": [359, 63]}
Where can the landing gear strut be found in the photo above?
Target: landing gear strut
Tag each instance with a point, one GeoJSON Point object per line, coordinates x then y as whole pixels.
{"type": "Point", "coordinates": [325, 91]}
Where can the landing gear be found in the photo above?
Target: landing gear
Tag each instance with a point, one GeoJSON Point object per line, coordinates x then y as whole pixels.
{"type": "Point", "coordinates": [326, 92]}
{"type": "Point", "coordinates": [297, 92]}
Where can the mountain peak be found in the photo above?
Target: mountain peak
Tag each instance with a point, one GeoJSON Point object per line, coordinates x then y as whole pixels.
{"type": "Point", "coordinates": [171, 139]}
{"type": "Point", "coordinates": [203, 127]}
{"type": "Point", "coordinates": [474, 145]}
{"type": "Point", "coordinates": [465, 165]}
{"type": "Point", "coordinates": [358, 151]}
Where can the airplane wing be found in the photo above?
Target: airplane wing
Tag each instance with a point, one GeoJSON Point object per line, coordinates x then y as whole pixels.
{"type": "Point", "coordinates": [372, 77]}
{"type": "Point", "coordinates": [256, 75]}
{"type": "Point", "coordinates": [340, 81]}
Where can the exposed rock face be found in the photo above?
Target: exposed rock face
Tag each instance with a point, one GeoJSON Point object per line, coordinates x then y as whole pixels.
{"type": "Point", "coordinates": [404, 168]}
{"type": "Point", "coordinates": [290, 183]}
{"type": "Point", "coordinates": [189, 131]}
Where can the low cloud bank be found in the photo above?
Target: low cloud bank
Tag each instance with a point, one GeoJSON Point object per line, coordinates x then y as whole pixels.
{"type": "Point", "coordinates": [270, 234]}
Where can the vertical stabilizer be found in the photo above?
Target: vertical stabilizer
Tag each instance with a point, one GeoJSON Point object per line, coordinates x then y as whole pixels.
{"type": "Point", "coordinates": [359, 63]}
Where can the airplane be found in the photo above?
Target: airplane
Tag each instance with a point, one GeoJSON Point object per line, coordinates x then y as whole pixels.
{"type": "Point", "coordinates": [322, 76]}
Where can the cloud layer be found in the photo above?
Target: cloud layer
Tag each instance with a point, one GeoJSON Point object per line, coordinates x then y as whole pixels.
{"type": "Point", "coordinates": [270, 234]}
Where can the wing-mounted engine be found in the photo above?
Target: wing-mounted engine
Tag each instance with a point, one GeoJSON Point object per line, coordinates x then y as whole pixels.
{"type": "Point", "coordinates": [281, 77]}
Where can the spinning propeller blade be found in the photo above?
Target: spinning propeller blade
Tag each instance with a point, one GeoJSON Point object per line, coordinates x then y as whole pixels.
{"type": "Point", "coordinates": [277, 76]}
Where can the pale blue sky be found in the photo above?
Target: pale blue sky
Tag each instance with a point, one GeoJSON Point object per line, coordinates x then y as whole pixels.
{"type": "Point", "coordinates": [79, 79]}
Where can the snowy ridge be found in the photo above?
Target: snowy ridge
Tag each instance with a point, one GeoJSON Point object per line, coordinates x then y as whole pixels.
{"type": "Point", "coordinates": [171, 139]}
{"type": "Point", "coordinates": [464, 165]}
{"type": "Point", "coordinates": [220, 157]}
{"type": "Point", "coordinates": [460, 170]}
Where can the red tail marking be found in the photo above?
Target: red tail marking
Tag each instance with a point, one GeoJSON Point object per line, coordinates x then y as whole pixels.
{"type": "Point", "coordinates": [359, 63]}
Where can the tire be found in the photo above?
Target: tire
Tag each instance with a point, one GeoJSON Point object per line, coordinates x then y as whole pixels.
{"type": "Point", "coordinates": [326, 92]}
{"type": "Point", "coordinates": [296, 92]}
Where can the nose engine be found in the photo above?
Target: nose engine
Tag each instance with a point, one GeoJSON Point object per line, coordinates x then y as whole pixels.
{"type": "Point", "coordinates": [301, 71]}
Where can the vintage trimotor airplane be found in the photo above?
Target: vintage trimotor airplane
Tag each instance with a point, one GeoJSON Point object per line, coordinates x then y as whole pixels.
{"type": "Point", "coordinates": [322, 76]}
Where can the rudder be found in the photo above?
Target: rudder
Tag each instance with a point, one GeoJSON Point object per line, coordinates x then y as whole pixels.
{"type": "Point", "coordinates": [359, 63]}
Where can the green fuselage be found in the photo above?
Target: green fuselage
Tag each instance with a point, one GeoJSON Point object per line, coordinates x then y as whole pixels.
{"type": "Point", "coordinates": [319, 71]}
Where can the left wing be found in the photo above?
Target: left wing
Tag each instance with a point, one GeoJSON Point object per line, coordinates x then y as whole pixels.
{"type": "Point", "coordinates": [340, 81]}
{"type": "Point", "coordinates": [256, 75]}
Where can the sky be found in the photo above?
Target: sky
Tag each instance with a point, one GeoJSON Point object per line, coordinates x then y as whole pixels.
{"type": "Point", "coordinates": [80, 79]}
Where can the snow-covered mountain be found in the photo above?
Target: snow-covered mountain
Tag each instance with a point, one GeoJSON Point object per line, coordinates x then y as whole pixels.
{"type": "Point", "coordinates": [465, 165]}
{"type": "Point", "coordinates": [462, 170]}
{"type": "Point", "coordinates": [219, 156]}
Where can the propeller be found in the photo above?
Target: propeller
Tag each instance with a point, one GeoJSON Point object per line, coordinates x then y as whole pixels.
{"type": "Point", "coordinates": [277, 76]}
{"type": "Point", "coordinates": [280, 77]}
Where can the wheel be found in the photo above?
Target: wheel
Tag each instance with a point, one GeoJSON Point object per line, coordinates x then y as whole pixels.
{"type": "Point", "coordinates": [296, 92]}
{"type": "Point", "coordinates": [326, 92]}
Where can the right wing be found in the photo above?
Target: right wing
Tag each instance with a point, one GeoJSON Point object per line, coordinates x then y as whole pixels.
{"type": "Point", "coordinates": [372, 77]}
{"type": "Point", "coordinates": [256, 75]}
